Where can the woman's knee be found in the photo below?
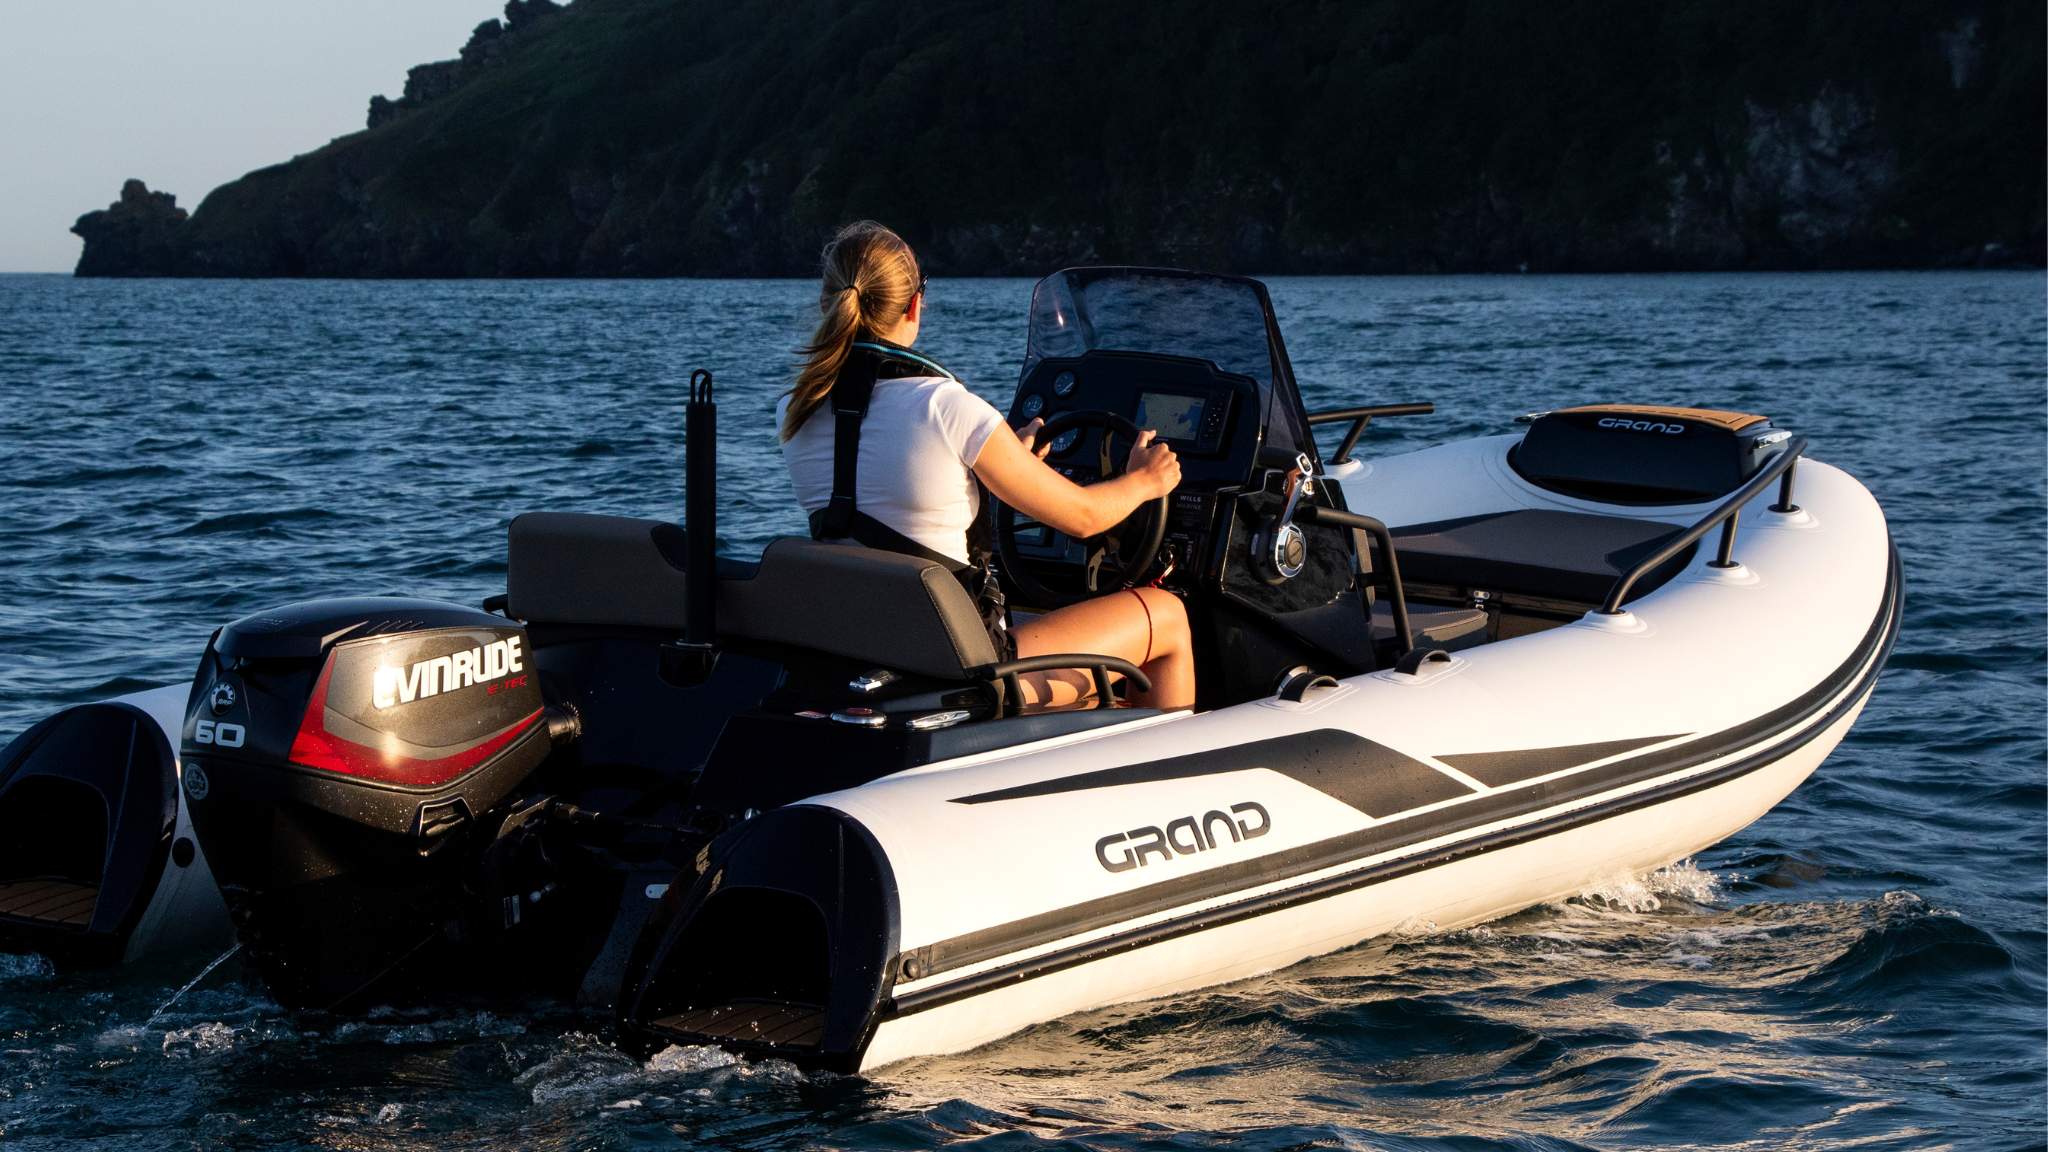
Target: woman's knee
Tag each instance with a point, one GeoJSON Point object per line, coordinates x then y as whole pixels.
{"type": "Point", "coordinates": [1169, 618]}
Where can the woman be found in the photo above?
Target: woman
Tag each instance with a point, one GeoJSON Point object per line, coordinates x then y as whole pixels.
{"type": "Point", "coordinates": [919, 442]}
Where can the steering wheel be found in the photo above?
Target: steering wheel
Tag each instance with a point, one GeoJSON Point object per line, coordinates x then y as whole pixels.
{"type": "Point", "coordinates": [1124, 553]}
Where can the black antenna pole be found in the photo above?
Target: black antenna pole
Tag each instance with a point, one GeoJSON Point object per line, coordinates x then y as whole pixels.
{"type": "Point", "coordinates": [700, 519]}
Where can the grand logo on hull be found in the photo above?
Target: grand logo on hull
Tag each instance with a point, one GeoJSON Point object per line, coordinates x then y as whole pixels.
{"type": "Point", "coordinates": [480, 665]}
{"type": "Point", "coordinates": [1123, 851]}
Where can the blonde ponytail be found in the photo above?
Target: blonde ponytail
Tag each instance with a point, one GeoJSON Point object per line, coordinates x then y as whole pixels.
{"type": "Point", "coordinates": [870, 277]}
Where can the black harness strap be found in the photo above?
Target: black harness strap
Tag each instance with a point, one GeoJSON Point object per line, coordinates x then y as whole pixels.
{"type": "Point", "coordinates": [851, 394]}
{"type": "Point", "coordinates": [842, 519]}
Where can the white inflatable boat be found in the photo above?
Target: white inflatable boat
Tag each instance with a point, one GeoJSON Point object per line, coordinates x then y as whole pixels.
{"type": "Point", "coordinates": [1605, 677]}
{"type": "Point", "coordinates": [792, 806]}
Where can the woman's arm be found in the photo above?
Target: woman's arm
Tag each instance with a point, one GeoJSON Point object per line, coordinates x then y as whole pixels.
{"type": "Point", "coordinates": [1009, 468]}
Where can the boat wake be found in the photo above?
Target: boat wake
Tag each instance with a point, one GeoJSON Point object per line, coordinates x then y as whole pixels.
{"type": "Point", "coordinates": [1629, 892]}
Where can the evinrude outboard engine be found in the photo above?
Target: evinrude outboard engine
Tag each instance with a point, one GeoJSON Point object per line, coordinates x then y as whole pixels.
{"type": "Point", "coordinates": [342, 758]}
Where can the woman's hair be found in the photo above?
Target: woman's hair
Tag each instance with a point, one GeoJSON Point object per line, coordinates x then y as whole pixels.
{"type": "Point", "coordinates": [870, 276]}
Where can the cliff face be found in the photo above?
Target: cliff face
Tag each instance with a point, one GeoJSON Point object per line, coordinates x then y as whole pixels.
{"type": "Point", "coordinates": [723, 137]}
{"type": "Point", "coordinates": [138, 235]}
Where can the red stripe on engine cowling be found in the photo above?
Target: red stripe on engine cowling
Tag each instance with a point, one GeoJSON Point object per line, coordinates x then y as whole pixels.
{"type": "Point", "coordinates": [317, 748]}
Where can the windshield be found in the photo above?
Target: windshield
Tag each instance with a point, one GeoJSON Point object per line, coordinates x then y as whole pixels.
{"type": "Point", "coordinates": [1220, 319]}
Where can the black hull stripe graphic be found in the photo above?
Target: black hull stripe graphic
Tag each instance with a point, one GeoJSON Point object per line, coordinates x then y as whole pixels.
{"type": "Point", "coordinates": [1343, 765]}
{"type": "Point", "coordinates": [1860, 671]}
{"type": "Point", "coordinates": [1500, 769]}
{"type": "Point", "coordinates": [1093, 950]}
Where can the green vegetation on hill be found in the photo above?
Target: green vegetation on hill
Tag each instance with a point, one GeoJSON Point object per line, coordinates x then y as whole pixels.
{"type": "Point", "coordinates": [719, 137]}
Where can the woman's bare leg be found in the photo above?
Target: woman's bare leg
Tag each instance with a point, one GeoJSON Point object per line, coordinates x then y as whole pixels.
{"type": "Point", "coordinates": [1146, 626]}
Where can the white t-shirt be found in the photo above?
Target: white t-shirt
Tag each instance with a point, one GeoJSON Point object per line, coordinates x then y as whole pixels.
{"type": "Point", "coordinates": [917, 449]}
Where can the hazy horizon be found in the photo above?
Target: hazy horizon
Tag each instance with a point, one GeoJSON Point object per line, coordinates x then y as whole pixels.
{"type": "Point", "coordinates": [186, 97]}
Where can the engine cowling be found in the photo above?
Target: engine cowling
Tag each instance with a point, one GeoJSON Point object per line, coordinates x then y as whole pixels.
{"type": "Point", "coordinates": [337, 754]}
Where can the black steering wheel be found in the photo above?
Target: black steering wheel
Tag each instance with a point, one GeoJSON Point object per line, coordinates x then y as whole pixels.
{"type": "Point", "coordinates": [1123, 554]}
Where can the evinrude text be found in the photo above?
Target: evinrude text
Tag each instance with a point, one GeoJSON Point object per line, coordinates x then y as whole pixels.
{"type": "Point", "coordinates": [480, 665]}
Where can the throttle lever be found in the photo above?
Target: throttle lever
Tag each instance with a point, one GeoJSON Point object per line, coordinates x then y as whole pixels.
{"type": "Point", "coordinates": [1283, 548]}
{"type": "Point", "coordinates": [1301, 481]}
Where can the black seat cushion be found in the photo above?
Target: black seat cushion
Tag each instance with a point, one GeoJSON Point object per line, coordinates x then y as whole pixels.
{"type": "Point", "coordinates": [880, 608]}
{"type": "Point", "coordinates": [1447, 628]}
{"type": "Point", "coordinates": [887, 609]}
{"type": "Point", "coordinates": [1573, 556]}
{"type": "Point", "coordinates": [608, 571]}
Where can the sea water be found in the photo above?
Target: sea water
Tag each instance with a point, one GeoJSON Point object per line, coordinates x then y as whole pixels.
{"type": "Point", "coordinates": [1861, 968]}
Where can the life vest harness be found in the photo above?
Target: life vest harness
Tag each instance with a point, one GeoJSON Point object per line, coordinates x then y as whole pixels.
{"type": "Point", "coordinates": [841, 517]}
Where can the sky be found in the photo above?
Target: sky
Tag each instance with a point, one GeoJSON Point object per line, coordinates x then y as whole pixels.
{"type": "Point", "coordinates": [186, 95]}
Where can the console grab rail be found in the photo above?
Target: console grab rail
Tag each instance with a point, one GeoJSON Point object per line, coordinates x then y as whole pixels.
{"type": "Point", "coordinates": [1359, 418]}
{"type": "Point", "coordinates": [1727, 516]}
{"type": "Point", "coordinates": [1397, 597]}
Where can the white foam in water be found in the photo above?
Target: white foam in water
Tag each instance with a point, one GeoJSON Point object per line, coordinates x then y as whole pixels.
{"type": "Point", "coordinates": [121, 1036]}
{"type": "Point", "coordinates": [208, 1039]}
{"type": "Point", "coordinates": [490, 1025]}
{"type": "Point", "coordinates": [1902, 903]}
{"type": "Point", "coordinates": [1414, 926]}
{"type": "Point", "coordinates": [412, 1034]}
{"type": "Point", "coordinates": [24, 966]}
{"type": "Point", "coordinates": [350, 1031]}
{"type": "Point", "coordinates": [677, 1058]}
{"type": "Point", "coordinates": [586, 1066]}
{"type": "Point", "coordinates": [1632, 893]}
{"type": "Point", "coordinates": [389, 1112]}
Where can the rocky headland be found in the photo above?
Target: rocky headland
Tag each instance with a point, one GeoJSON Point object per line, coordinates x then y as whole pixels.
{"type": "Point", "coordinates": [692, 137]}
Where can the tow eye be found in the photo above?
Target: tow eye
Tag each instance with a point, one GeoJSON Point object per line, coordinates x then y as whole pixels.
{"type": "Point", "coordinates": [1283, 548]}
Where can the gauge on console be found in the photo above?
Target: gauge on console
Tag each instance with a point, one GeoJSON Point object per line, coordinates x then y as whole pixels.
{"type": "Point", "coordinates": [1066, 440]}
{"type": "Point", "coordinates": [1033, 405]}
{"type": "Point", "coordinates": [1063, 384]}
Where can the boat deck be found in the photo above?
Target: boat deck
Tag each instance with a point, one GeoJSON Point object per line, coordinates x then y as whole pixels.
{"type": "Point", "coordinates": [749, 1022]}
{"type": "Point", "coordinates": [61, 903]}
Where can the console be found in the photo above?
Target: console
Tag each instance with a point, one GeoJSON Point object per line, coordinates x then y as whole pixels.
{"type": "Point", "coordinates": [1211, 418]}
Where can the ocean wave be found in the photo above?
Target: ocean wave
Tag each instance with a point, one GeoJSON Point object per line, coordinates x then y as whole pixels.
{"type": "Point", "coordinates": [83, 477]}
{"type": "Point", "coordinates": [257, 523]}
{"type": "Point", "coordinates": [1911, 949]}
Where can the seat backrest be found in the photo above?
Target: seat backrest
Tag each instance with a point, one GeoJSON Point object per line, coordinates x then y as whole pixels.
{"type": "Point", "coordinates": [606, 571]}
{"type": "Point", "coordinates": [877, 607]}
{"type": "Point", "coordinates": [891, 610]}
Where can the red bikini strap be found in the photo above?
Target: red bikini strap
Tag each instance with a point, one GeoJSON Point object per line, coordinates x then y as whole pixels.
{"type": "Point", "coordinates": [1148, 626]}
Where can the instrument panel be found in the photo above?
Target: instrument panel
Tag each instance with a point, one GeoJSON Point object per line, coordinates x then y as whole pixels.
{"type": "Point", "coordinates": [1210, 418]}
{"type": "Point", "coordinates": [1192, 417]}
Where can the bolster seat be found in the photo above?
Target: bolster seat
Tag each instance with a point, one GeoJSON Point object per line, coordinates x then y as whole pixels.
{"type": "Point", "coordinates": [1569, 556]}
{"type": "Point", "coordinates": [880, 608]}
{"type": "Point", "coordinates": [1432, 626]}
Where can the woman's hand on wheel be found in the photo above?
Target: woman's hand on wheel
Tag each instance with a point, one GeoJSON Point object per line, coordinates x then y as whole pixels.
{"type": "Point", "coordinates": [1153, 462]}
{"type": "Point", "coordinates": [1028, 436]}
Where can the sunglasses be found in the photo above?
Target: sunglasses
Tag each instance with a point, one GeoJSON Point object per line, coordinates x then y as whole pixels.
{"type": "Point", "coordinates": [923, 278]}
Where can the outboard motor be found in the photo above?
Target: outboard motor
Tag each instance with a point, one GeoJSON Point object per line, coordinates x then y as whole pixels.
{"type": "Point", "coordinates": [344, 762]}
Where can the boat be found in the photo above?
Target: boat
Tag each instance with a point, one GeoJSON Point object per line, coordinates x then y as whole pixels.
{"type": "Point", "coordinates": [797, 808]}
